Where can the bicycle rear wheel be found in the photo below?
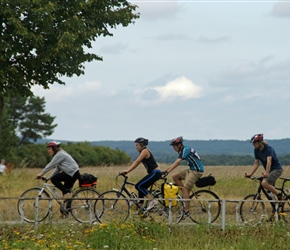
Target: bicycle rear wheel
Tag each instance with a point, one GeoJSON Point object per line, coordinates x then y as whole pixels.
{"type": "Point", "coordinates": [252, 210]}
{"type": "Point", "coordinates": [115, 207]}
{"type": "Point", "coordinates": [160, 212]}
{"type": "Point", "coordinates": [81, 206]}
{"type": "Point", "coordinates": [204, 207]}
{"type": "Point", "coordinates": [27, 206]}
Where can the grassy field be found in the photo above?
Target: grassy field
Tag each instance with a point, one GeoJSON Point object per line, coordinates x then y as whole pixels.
{"type": "Point", "coordinates": [68, 234]}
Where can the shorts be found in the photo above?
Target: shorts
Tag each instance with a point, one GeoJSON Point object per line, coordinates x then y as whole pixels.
{"type": "Point", "coordinates": [189, 177]}
{"type": "Point", "coordinates": [273, 176]}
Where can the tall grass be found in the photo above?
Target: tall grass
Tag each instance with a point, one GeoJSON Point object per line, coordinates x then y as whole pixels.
{"type": "Point", "coordinates": [231, 185]}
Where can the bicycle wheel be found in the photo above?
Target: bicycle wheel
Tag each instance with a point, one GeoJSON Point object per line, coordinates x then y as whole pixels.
{"type": "Point", "coordinates": [284, 212]}
{"type": "Point", "coordinates": [26, 205]}
{"type": "Point", "coordinates": [204, 207]}
{"type": "Point", "coordinates": [160, 212]}
{"type": "Point", "coordinates": [115, 207]}
{"type": "Point", "coordinates": [251, 211]}
{"type": "Point", "coordinates": [81, 204]}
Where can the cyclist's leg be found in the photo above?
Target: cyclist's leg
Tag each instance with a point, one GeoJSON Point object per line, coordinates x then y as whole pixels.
{"type": "Point", "coordinates": [269, 182]}
{"type": "Point", "coordinates": [62, 177]}
{"type": "Point", "coordinates": [189, 177]}
{"type": "Point", "coordinates": [147, 181]}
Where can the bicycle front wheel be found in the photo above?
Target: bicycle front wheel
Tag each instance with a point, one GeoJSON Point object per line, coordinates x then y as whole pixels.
{"type": "Point", "coordinates": [115, 205]}
{"type": "Point", "coordinates": [252, 210]}
{"type": "Point", "coordinates": [29, 209]}
{"type": "Point", "coordinates": [284, 211]}
{"type": "Point", "coordinates": [204, 207]}
{"type": "Point", "coordinates": [81, 206]}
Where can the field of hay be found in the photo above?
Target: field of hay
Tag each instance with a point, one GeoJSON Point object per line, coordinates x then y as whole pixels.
{"type": "Point", "coordinates": [231, 185]}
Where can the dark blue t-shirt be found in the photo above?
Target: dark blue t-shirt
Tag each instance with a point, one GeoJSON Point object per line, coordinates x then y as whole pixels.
{"type": "Point", "coordinates": [262, 157]}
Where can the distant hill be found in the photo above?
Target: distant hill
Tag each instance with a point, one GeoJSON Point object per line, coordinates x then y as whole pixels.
{"type": "Point", "coordinates": [164, 153]}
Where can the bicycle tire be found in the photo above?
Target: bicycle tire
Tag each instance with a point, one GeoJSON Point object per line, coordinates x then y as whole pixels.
{"type": "Point", "coordinates": [284, 212]}
{"type": "Point", "coordinates": [26, 205]}
{"type": "Point", "coordinates": [202, 208]}
{"type": "Point", "coordinates": [115, 205]}
{"type": "Point", "coordinates": [81, 206]}
{"type": "Point", "coordinates": [160, 212]}
{"type": "Point", "coordinates": [251, 212]}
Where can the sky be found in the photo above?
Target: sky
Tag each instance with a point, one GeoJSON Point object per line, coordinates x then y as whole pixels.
{"type": "Point", "coordinates": [203, 70]}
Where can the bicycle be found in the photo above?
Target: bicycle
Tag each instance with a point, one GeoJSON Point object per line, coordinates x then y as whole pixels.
{"type": "Point", "coordinates": [253, 212]}
{"type": "Point", "coordinates": [117, 205]}
{"type": "Point", "coordinates": [204, 207]}
{"type": "Point", "coordinates": [79, 206]}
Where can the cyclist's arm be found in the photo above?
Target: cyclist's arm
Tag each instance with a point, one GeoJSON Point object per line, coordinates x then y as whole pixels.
{"type": "Point", "coordinates": [255, 167]}
{"type": "Point", "coordinates": [173, 165]}
{"type": "Point", "coordinates": [144, 154]}
{"type": "Point", "coordinates": [268, 166]}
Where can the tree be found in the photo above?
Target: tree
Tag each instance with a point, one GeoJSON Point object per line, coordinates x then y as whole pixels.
{"type": "Point", "coordinates": [28, 120]}
{"type": "Point", "coordinates": [41, 41]}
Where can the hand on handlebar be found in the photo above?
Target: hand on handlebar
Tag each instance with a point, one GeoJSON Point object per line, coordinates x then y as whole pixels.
{"type": "Point", "coordinates": [123, 173]}
{"type": "Point", "coordinates": [164, 174]}
{"type": "Point", "coordinates": [39, 176]}
{"type": "Point", "coordinates": [248, 175]}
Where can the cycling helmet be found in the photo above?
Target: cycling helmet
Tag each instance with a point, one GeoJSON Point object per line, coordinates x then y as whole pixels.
{"type": "Point", "coordinates": [257, 137]}
{"type": "Point", "coordinates": [53, 144]}
{"type": "Point", "coordinates": [176, 141]}
{"type": "Point", "coordinates": [142, 141]}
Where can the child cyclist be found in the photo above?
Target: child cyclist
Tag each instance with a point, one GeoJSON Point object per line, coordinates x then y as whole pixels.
{"type": "Point", "coordinates": [153, 171]}
{"type": "Point", "coordinates": [191, 175]}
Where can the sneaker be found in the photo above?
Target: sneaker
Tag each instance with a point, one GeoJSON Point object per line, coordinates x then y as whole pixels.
{"type": "Point", "coordinates": [67, 196]}
{"type": "Point", "coordinates": [152, 204]}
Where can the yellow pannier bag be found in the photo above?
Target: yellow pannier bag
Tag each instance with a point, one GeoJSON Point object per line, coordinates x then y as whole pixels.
{"type": "Point", "coordinates": [170, 191]}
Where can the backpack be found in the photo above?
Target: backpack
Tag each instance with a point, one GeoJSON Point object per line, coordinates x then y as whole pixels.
{"type": "Point", "coordinates": [169, 191]}
{"type": "Point", "coordinates": [87, 180]}
{"type": "Point", "coordinates": [205, 181]}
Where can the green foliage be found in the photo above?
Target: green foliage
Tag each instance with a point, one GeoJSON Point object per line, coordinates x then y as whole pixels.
{"type": "Point", "coordinates": [28, 117]}
{"type": "Point", "coordinates": [41, 41]}
{"type": "Point", "coordinates": [35, 155]}
{"type": "Point", "coordinates": [145, 235]}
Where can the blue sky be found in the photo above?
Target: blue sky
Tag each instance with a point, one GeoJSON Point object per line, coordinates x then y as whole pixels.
{"type": "Point", "coordinates": [201, 69]}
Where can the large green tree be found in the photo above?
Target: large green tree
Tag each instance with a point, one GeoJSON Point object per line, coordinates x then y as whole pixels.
{"type": "Point", "coordinates": [44, 40]}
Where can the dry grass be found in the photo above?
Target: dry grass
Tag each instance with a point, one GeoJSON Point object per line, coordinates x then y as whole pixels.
{"type": "Point", "coordinates": [231, 184]}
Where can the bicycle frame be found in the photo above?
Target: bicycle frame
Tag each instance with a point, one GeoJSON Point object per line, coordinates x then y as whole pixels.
{"type": "Point", "coordinates": [127, 192]}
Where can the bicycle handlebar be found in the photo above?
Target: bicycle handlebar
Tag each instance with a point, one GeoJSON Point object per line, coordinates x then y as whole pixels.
{"type": "Point", "coordinates": [44, 178]}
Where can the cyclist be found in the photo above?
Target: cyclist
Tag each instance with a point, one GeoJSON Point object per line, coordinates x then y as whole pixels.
{"type": "Point", "coordinates": [265, 154]}
{"type": "Point", "coordinates": [191, 175]}
{"type": "Point", "coordinates": [66, 169]}
{"type": "Point", "coordinates": [153, 171]}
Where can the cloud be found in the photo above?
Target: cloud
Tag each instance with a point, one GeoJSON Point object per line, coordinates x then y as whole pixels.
{"type": "Point", "coordinates": [281, 9]}
{"type": "Point", "coordinates": [61, 93]}
{"type": "Point", "coordinates": [113, 49]}
{"type": "Point", "coordinates": [179, 88]}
